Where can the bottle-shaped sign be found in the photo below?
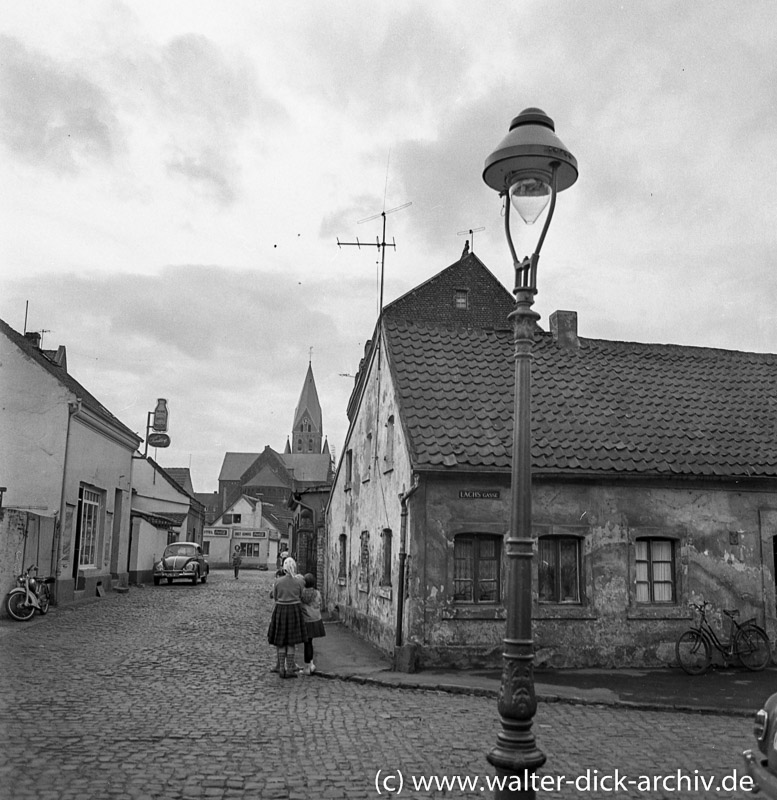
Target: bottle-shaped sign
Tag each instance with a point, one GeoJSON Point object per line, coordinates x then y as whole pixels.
{"type": "Point", "coordinates": [160, 415]}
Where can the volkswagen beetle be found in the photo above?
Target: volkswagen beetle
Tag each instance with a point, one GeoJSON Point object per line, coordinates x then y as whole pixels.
{"type": "Point", "coordinates": [182, 560]}
{"type": "Point", "coordinates": [763, 770]}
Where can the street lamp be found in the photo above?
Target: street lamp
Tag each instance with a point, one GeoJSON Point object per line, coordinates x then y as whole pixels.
{"type": "Point", "coordinates": [529, 166]}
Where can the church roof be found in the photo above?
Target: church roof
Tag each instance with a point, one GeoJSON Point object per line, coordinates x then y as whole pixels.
{"type": "Point", "coordinates": [308, 401]}
{"type": "Point", "coordinates": [235, 464]}
{"type": "Point", "coordinates": [308, 467]}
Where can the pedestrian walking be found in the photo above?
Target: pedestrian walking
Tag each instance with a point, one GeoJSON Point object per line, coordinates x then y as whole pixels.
{"type": "Point", "coordinates": [287, 626]}
{"type": "Point", "coordinates": [311, 610]}
{"type": "Point", "coordinates": [237, 560]}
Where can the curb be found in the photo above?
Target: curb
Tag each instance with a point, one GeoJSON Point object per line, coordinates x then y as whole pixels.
{"type": "Point", "coordinates": [626, 705]}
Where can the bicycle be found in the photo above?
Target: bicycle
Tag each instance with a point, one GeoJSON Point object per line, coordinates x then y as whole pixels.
{"type": "Point", "coordinates": [747, 642]}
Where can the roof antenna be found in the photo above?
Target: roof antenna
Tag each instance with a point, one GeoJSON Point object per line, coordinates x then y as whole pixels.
{"type": "Point", "coordinates": [381, 243]}
{"type": "Point", "coordinates": [471, 232]}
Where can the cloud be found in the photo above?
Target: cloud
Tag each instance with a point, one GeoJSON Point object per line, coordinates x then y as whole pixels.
{"type": "Point", "coordinates": [52, 115]}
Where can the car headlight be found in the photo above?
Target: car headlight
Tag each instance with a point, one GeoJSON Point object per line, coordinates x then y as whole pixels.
{"type": "Point", "coordinates": [159, 566]}
{"type": "Point", "coordinates": [761, 724]}
{"type": "Point", "coordinates": [190, 567]}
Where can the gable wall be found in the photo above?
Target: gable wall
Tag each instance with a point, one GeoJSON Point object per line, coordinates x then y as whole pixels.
{"type": "Point", "coordinates": [33, 429]}
{"type": "Point", "coordinates": [369, 504]}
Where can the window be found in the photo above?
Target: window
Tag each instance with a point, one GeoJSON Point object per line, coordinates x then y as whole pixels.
{"type": "Point", "coordinates": [88, 526]}
{"type": "Point", "coordinates": [364, 558]}
{"type": "Point", "coordinates": [461, 299]}
{"type": "Point", "coordinates": [368, 458]}
{"type": "Point", "coordinates": [476, 561]}
{"type": "Point", "coordinates": [341, 572]}
{"type": "Point", "coordinates": [206, 547]}
{"type": "Point", "coordinates": [250, 549]}
{"type": "Point", "coordinates": [231, 519]}
{"type": "Point", "coordinates": [559, 569]}
{"type": "Point", "coordinates": [655, 570]}
{"type": "Point", "coordinates": [385, 579]}
{"type": "Point", "coordinates": [172, 536]}
{"type": "Point", "coordinates": [348, 468]}
{"type": "Point", "coordinates": [388, 457]}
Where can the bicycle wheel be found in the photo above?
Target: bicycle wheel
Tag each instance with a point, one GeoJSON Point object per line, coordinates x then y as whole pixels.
{"type": "Point", "coordinates": [751, 644]}
{"type": "Point", "coordinates": [693, 652]}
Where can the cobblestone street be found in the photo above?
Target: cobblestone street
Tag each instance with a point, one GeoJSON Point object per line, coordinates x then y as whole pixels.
{"type": "Point", "coordinates": [165, 692]}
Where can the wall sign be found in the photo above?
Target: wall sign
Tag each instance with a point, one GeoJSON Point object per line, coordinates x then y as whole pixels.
{"type": "Point", "coordinates": [479, 494]}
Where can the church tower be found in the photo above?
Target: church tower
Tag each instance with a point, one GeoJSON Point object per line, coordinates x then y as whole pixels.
{"type": "Point", "coordinates": [307, 432]}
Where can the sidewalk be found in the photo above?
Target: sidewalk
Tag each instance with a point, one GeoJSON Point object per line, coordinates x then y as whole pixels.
{"type": "Point", "coordinates": [738, 692]}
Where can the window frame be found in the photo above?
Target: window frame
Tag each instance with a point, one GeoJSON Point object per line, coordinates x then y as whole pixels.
{"type": "Point", "coordinates": [342, 569]}
{"type": "Point", "coordinates": [650, 563]}
{"type": "Point", "coordinates": [89, 517]}
{"type": "Point", "coordinates": [461, 294]}
{"type": "Point", "coordinates": [386, 562]}
{"type": "Point", "coordinates": [557, 540]}
{"type": "Point", "coordinates": [388, 455]}
{"type": "Point", "coordinates": [478, 540]}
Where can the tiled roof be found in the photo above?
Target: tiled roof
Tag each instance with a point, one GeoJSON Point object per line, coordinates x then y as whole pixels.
{"type": "Point", "coordinates": [308, 467]}
{"type": "Point", "coordinates": [605, 407]}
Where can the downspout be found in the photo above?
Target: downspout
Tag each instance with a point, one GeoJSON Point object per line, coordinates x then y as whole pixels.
{"type": "Point", "coordinates": [72, 409]}
{"type": "Point", "coordinates": [403, 498]}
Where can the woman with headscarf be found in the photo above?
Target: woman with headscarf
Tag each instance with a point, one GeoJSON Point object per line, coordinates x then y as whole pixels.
{"type": "Point", "coordinates": [287, 626]}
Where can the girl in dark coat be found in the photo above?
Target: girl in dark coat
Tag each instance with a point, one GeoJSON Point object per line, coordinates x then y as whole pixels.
{"type": "Point", "coordinates": [287, 625]}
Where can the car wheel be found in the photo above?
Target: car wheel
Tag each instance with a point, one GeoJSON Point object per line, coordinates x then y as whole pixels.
{"type": "Point", "coordinates": [195, 575]}
{"type": "Point", "coordinates": [204, 578]}
{"type": "Point", "coordinates": [156, 581]}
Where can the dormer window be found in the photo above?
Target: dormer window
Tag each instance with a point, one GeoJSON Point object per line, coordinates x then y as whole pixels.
{"type": "Point", "coordinates": [461, 299]}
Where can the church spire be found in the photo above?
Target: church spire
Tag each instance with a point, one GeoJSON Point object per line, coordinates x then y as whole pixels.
{"type": "Point", "coordinates": [308, 428]}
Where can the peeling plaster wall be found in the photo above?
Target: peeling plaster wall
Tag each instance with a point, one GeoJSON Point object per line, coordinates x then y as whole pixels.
{"type": "Point", "coordinates": [368, 504]}
{"type": "Point", "coordinates": [724, 554]}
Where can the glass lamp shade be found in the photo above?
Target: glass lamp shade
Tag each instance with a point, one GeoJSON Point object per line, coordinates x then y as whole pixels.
{"type": "Point", "coordinates": [530, 196]}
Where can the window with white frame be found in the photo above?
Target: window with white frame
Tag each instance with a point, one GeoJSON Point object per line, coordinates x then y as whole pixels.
{"type": "Point", "coordinates": [461, 299]}
{"type": "Point", "coordinates": [88, 526]}
{"type": "Point", "coordinates": [655, 570]}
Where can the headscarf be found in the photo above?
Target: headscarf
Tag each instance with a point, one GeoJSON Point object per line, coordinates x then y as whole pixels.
{"type": "Point", "coordinates": [290, 567]}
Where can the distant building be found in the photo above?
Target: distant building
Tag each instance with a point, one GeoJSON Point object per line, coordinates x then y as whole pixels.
{"type": "Point", "coordinates": [162, 512]}
{"type": "Point", "coordinates": [248, 528]}
{"type": "Point", "coordinates": [289, 483]}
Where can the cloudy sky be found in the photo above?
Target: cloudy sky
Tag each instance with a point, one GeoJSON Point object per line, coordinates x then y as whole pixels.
{"type": "Point", "coordinates": [176, 175]}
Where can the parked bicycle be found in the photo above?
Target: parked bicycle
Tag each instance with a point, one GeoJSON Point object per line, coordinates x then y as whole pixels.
{"type": "Point", "coordinates": [747, 642]}
{"type": "Point", "coordinates": [31, 593]}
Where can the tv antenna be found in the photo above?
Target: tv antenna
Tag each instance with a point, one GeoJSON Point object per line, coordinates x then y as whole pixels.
{"type": "Point", "coordinates": [471, 232]}
{"type": "Point", "coordinates": [381, 244]}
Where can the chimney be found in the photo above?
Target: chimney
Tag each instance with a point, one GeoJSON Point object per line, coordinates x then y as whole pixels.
{"type": "Point", "coordinates": [33, 337]}
{"type": "Point", "coordinates": [563, 326]}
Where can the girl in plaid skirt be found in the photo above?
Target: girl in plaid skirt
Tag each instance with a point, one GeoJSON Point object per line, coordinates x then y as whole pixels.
{"type": "Point", "coordinates": [287, 625]}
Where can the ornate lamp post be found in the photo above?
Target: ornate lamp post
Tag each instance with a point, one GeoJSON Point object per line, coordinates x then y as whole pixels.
{"type": "Point", "coordinates": [530, 166]}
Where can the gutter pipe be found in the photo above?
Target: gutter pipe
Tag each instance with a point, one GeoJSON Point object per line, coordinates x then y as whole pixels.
{"type": "Point", "coordinates": [403, 498]}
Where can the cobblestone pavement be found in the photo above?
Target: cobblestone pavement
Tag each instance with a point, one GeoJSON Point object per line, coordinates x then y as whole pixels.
{"type": "Point", "coordinates": [165, 692]}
